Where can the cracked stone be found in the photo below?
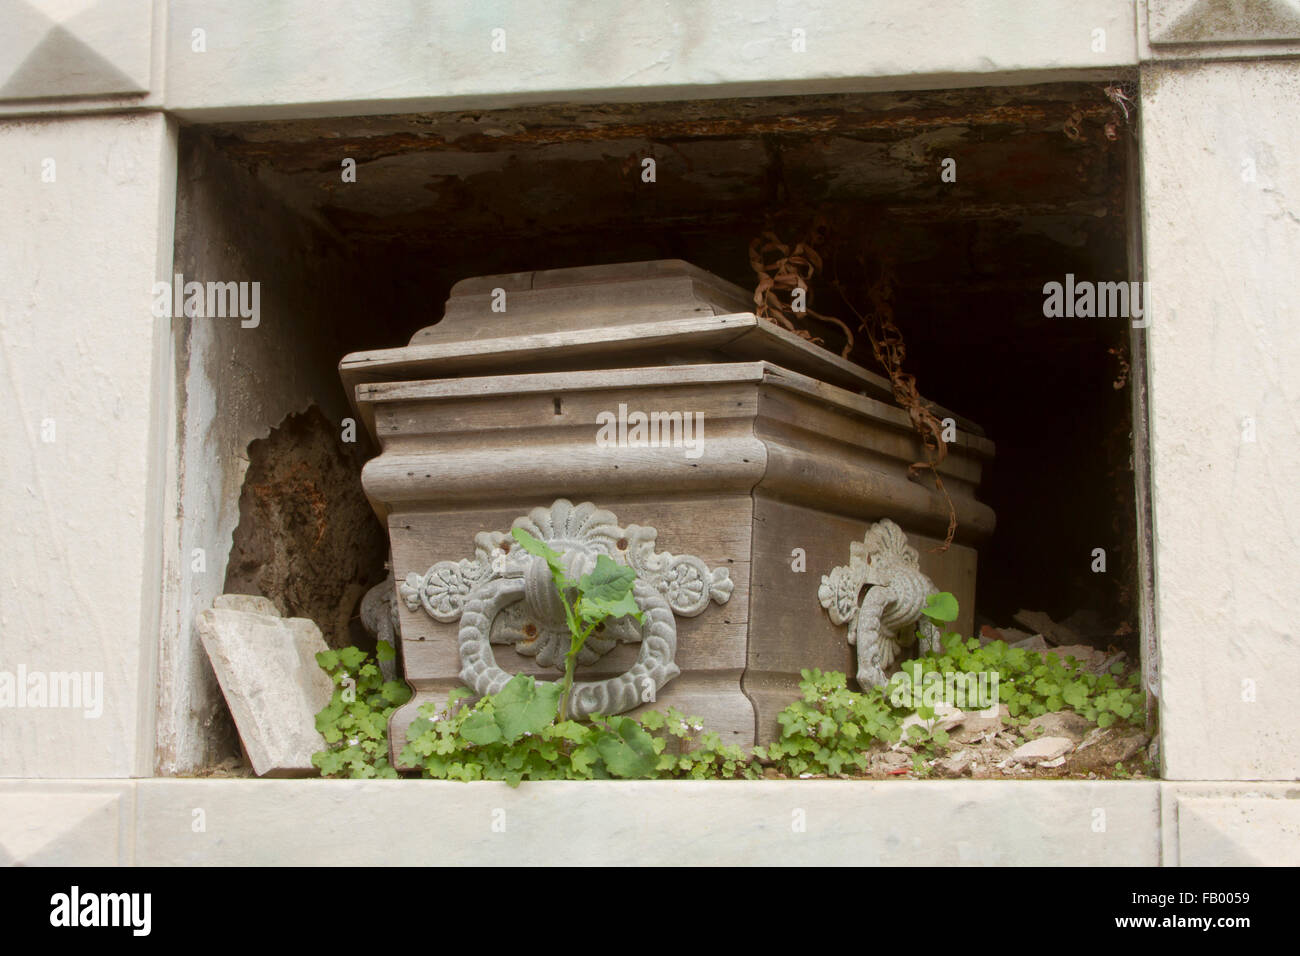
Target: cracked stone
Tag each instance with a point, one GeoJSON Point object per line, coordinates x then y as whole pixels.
{"type": "Point", "coordinates": [1060, 723]}
{"type": "Point", "coordinates": [1043, 748]}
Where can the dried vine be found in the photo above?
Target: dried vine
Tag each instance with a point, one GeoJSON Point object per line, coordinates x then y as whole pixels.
{"type": "Point", "coordinates": [782, 269]}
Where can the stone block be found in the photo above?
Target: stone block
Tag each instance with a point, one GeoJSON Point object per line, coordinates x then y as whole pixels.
{"type": "Point", "coordinates": [1244, 831]}
{"type": "Point", "coordinates": [267, 669]}
{"type": "Point", "coordinates": [65, 823]}
{"type": "Point", "coordinates": [1221, 205]}
{"type": "Point", "coordinates": [649, 822]}
{"type": "Point", "coordinates": [92, 48]}
{"type": "Point", "coordinates": [253, 603]}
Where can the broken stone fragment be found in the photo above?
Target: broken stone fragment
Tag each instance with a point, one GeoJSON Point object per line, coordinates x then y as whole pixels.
{"type": "Point", "coordinates": [1089, 658]}
{"type": "Point", "coordinates": [955, 765]}
{"type": "Point", "coordinates": [945, 718]}
{"type": "Point", "coordinates": [1043, 748]}
{"type": "Point", "coordinates": [1060, 723]}
{"type": "Point", "coordinates": [887, 761]}
{"type": "Point", "coordinates": [1034, 643]}
{"type": "Point", "coordinates": [1105, 747]}
{"type": "Point", "coordinates": [1040, 623]}
{"type": "Point", "coordinates": [1008, 635]}
{"type": "Point", "coordinates": [254, 603]}
{"type": "Point", "coordinates": [266, 666]}
{"type": "Point", "coordinates": [976, 725]}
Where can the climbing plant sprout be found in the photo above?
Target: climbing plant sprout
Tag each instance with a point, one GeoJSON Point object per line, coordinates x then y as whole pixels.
{"type": "Point", "coordinates": [604, 592]}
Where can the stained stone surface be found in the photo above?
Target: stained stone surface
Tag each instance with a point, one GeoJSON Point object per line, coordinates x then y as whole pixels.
{"type": "Point", "coordinates": [1223, 21]}
{"type": "Point", "coordinates": [267, 669]}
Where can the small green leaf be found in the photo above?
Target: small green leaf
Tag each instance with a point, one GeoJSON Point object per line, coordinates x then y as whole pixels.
{"type": "Point", "coordinates": [582, 759]}
{"type": "Point", "coordinates": [570, 730]}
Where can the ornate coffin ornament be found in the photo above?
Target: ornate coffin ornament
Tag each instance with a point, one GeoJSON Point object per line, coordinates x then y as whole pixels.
{"type": "Point", "coordinates": [504, 595]}
{"type": "Point", "coordinates": [886, 618]}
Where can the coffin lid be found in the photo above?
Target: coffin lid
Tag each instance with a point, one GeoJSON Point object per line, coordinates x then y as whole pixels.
{"type": "Point", "coordinates": [623, 315]}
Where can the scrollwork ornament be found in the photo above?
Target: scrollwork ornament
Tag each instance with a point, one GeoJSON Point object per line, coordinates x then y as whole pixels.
{"type": "Point", "coordinates": [503, 595]}
{"type": "Point", "coordinates": [886, 618]}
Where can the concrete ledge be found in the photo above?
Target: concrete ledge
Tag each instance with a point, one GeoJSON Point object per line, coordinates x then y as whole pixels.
{"type": "Point", "coordinates": [328, 822]}
{"type": "Point", "coordinates": [302, 58]}
{"type": "Point", "coordinates": [188, 822]}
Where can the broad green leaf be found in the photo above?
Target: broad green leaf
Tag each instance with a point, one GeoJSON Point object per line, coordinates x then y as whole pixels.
{"type": "Point", "coordinates": [480, 728]}
{"type": "Point", "coordinates": [418, 727]}
{"type": "Point", "coordinates": [525, 706]}
{"type": "Point", "coordinates": [384, 651]}
{"type": "Point", "coordinates": [940, 607]}
{"type": "Point", "coordinates": [595, 611]}
{"type": "Point", "coordinates": [628, 751]}
{"type": "Point", "coordinates": [1075, 694]}
{"type": "Point", "coordinates": [569, 730]}
{"type": "Point", "coordinates": [582, 759]}
{"type": "Point", "coordinates": [396, 692]}
{"type": "Point", "coordinates": [607, 581]}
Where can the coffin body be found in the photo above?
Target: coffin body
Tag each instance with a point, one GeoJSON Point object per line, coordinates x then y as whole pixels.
{"type": "Point", "coordinates": [786, 472]}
